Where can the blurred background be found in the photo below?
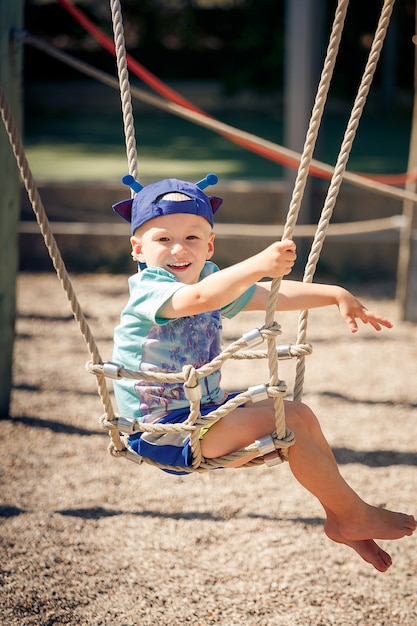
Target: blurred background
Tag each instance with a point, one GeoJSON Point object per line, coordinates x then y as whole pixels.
{"type": "Point", "coordinates": [229, 58]}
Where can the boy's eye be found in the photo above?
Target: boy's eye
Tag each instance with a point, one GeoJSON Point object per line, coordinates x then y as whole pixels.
{"type": "Point", "coordinates": [163, 239]}
{"type": "Point", "coordinates": [192, 237]}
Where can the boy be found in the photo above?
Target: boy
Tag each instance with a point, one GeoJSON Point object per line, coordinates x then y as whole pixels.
{"type": "Point", "coordinates": [173, 317]}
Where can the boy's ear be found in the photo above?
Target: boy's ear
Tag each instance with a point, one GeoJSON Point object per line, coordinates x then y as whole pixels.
{"type": "Point", "coordinates": [210, 247]}
{"type": "Point", "coordinates": [137, 249]}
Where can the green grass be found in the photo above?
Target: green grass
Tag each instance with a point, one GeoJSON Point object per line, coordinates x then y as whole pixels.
{"type": "Point", "coordinates": [63, 147]}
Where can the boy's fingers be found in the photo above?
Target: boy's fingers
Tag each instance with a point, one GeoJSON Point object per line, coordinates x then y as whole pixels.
{"type": "Point", "coordinates": [367, 318]}
{"type": "Point", "coordinates": [289, 244]}
{"type": "Point", "coordinates": [352, 325]}
{"type": "Point", "coordinates": [376, 321]}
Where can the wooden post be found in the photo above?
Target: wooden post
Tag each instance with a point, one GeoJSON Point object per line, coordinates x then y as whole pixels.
{"type": "Point", "coordinates": [11, 18]}
{"type": "Point", "coordinates": [407, 257]}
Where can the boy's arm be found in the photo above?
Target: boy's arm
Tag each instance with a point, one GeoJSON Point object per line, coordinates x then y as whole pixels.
{"type": "Point", "coordinates": [221, 288]}
{"type": "Point", "coordinates": [296, 296]}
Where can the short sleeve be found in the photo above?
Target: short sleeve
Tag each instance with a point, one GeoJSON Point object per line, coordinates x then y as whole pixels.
{"type": "Point", "coordinates": [154, 286]}
{"type": "Point", "coordinates": [150, 290]}
{"type": "Point", "coordinates": [235, 307]}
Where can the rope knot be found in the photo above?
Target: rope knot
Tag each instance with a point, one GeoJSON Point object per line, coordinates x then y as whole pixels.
{"type": "Point", "coordinates": [192, 389]}
{"type": "Point", "coordinates": [190, 376]}
{"type": "Point", "coordinates": [285, 442]}
{"type": "Point", "coordinates": [106, 423]}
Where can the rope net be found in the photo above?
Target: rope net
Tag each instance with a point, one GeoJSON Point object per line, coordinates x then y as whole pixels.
{"type": "Point", "coordinates": [273, 449]}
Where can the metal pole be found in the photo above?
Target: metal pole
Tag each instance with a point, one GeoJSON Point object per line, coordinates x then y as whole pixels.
{"type": "Point", "coordinates": [11, 18]}
{"type": "Point", "coordinates": [407, 256]}
{"type": "Point", "coordinates": [303, 45]}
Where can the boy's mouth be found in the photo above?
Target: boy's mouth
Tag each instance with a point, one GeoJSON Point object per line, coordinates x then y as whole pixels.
{"type": "Point", "coordinates": [179, 266]}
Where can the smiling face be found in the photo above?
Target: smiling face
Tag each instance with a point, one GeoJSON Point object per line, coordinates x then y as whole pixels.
{"type": "Point", "coordinates": [180, 243]}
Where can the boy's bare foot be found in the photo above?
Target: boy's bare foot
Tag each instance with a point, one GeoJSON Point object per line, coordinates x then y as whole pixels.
{"type": "Point", "coordinates": [367, 549]}
{"type": "Point", "coordinates": [377, 523]}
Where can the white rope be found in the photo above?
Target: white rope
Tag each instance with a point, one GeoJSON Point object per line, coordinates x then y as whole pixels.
{"type": "Point", "coordinates": [301, 180]}
{"type": "Point", "coordinates": [233, 231]}
{"type": "Point", "coordinates": [337, 177]}
{"type": "Point", "coordinates": [52, 247]}
{"type": "Point", "coordinates": [125, 94]}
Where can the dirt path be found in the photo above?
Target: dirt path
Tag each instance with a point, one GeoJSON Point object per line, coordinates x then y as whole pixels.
{"type": "Point", "coordinates": [92, 540]}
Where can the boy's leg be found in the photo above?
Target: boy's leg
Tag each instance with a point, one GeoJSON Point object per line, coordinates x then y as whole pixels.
{"type": "Point", "coordinates": [244, 425]}
{"type": "Point", "coordinates": [313, 465]}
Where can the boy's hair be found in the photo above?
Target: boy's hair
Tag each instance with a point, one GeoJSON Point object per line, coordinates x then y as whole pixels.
{"type": "Point", "coordinates": [156, 199]}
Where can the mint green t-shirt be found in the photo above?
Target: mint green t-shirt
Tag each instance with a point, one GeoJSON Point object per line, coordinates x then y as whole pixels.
{"type": "Point", "coordinates": [144, 342]}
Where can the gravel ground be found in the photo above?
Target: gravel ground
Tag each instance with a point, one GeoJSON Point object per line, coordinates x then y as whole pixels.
{"type": "Point", "coordinates": [92, 540]}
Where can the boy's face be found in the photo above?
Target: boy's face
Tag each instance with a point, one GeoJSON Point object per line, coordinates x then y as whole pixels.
{"type": "Point", "coordinates": [179, 243]}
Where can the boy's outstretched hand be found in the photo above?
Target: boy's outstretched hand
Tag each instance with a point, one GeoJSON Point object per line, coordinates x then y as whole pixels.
{"type": "Point", "coordinates": [351, 309]}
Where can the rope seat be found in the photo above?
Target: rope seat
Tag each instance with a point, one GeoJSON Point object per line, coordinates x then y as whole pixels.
{"type": "Point", "coordinates": [272, 449]}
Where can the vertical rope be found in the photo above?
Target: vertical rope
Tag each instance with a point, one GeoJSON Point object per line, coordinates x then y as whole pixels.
{"type": "Point", "coordinates": [125, 94]}
{"type": "Point", "coordinates": [300, 183]}
{"type": "Point", "coordinates": [337, 177]}
{"type": "Point", "coordinates": [53, 250]}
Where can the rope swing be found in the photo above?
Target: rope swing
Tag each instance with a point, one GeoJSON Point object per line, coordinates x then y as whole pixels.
{"type": "Point", "coordinates": [120, 428]}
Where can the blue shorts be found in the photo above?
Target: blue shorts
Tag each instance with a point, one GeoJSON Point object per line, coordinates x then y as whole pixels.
{"type": "Point", "coordinates": [169, 448]}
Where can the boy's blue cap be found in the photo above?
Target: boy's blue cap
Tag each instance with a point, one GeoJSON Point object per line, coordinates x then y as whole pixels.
{"type": "Point", "coordinates": [148, 202]}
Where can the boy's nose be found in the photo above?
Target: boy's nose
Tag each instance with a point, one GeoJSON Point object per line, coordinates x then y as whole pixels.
{"type": "Point", "coordinates": [177, 248]}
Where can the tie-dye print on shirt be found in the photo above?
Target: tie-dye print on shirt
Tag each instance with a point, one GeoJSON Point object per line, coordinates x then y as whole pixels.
{"type": "Point", "coordinates": [144, 342]}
